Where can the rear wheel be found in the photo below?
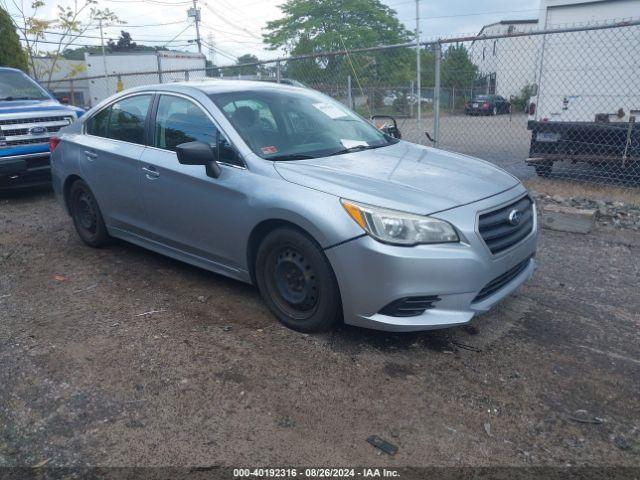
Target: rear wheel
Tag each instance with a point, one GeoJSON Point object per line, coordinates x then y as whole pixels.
{"type": "Point", "coordinates": [296, 281]}
{"type": "Point", "coordinates": [87, 216]}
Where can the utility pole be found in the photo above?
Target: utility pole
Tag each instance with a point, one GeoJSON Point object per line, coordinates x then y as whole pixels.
{"type": "Point", "coordinates": [104, 61]}
{"type": "Point", "coordinates": [196, 16]}
{"type": "Point", "coordinates": [418, 73]}
{"type": "Point", "coordinates": [212, 52]}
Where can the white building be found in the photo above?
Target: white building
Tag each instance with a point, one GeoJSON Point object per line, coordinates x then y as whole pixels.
{"type": "Point", "coordinates": [131, 69]}
{"type": "Point", "coordinates": [507, 65]}
{"type": "Point", "coordinates": [65, 78]}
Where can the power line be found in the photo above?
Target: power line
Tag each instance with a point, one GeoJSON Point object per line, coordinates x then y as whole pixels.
{"type": "Point", "coordinates": [220, 52]}
{"type": "Point", "coordinates": [48, 32]}
{"type": "Point", "coordinates": [155, 2]}
{"type": "Point", "coordinates": [231, 24]}
{"type": "Point", "coordinates": [98, 45]}
{"type": "Point", "coordinates": [474, 14]}
{"type": "Point", "coordinates": [235, 34]}
{"type": "Point", "coordinates": [178, 36]}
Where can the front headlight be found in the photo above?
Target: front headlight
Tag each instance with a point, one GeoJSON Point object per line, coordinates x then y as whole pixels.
{"type": "Point", "coordinates": [399, 228]}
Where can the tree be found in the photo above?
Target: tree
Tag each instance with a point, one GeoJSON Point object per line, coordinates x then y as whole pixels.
{"type": "Point", "coordinates": [309, 27]}
{"type": "Point", "coordinates": [11, 52]}
{"type": "Point", "coordinates": [124, 43]}
{"type": "Point", "coordinates": [457, 69]}
{"type": "Point", "coordinates": [247, 59]}
{"type": "Point", "coordinates": [69, 25]}
{"type": "Point", "coordinates": [334, 25]}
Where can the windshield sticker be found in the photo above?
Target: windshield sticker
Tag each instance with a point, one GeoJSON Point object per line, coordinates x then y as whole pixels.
{"type": "Point", "coordinates": [346, 143]}
{"type": "Point", "coordinates": [269, 150]}
{"type": "Point", "coordinates": [331, 111]}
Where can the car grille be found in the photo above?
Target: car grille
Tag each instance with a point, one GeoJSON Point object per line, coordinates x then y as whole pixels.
{"type": "Point", "coordinates": [499, 232]}
{"type": "Point", "coordinates": [18, 131]}
{"type": "Point", "coordinates": [497, 283]}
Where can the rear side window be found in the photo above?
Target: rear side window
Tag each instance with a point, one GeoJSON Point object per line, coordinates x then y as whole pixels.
{"type": "Point", "coordinates": [180, 121]}
{"type": "Point", "coordinates": [123, 120]}
{"type": "Point", "coordinates": [97, 125]}
{"type": "Point", "coordinates": [127, 118]}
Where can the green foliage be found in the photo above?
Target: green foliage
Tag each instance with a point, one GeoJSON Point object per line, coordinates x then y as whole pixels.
{"type": "Point", "coordinates": [314, 26]}
{"type": "Point", "coordinates": [247, 69]}
{"type": "Point", "coordinates": [520, 102]}
{"type": "Point", "coordinates": [457, 69]}
{"type": "Point", "coordinates": [11, 52]}
{"type": "Point", "coordinates": [334, 25]}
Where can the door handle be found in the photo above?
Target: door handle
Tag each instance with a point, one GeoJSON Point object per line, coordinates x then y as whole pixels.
{"type": "Point", "coordinates": [151, 172]}
{"type": "Point", "coordinates": [90, 155]}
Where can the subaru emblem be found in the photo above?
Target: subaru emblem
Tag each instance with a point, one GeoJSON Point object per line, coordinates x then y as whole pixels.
{"type": "Point", "coordinates": [37, 130]}
{"type": "Point", "coordinates": [514, 217]}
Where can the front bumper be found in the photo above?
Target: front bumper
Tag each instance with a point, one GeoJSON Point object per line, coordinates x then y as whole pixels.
{"type": "Point", "coordinates": [371, 274]}
{"type": "Point", "coordinates": [18, 171]}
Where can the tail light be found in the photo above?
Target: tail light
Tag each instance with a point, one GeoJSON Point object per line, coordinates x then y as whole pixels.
{"type": "Point", "coordinates": [532, 108]}
{"type": "Point", "coordinates": [485, 105]}
{"type": "Point", "coordinates": [53, 143]}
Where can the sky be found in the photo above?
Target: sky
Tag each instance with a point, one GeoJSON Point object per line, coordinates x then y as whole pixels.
{"type": "Point", "coordinates": [235, 26]}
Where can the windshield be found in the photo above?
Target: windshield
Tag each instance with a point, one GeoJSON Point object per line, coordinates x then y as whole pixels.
{"type": "Point", "coordinates": [18, 86]}
{"type": "Point", "coordinates": [480, 98]}
{"type": "Point", "coordinates": [290, 125]}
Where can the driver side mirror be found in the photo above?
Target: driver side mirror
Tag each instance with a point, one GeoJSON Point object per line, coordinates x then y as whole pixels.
{"type": "Point", "coordinates": [387, 124]}
{"type": "Point", "coordinates": [199, 153]}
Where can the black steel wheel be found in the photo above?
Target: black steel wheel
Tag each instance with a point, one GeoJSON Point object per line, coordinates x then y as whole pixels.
{"type": "Point", "coordinates": [297, 281]}
{"type": "Point", "coordinates": [87, 216]}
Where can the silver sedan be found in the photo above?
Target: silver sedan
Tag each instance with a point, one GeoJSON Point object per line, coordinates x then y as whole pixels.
{"type": "Point", "coordinates": [285, 188]}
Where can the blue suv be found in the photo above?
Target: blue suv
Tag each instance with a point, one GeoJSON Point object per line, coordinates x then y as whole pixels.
{"type": "Point", "coordinates": [29, 116]}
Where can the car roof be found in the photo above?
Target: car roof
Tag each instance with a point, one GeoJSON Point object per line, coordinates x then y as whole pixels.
{"type": "Point", "coordinates": [10, 69]}
{"type": "Point", "coordinates": [213, 85]}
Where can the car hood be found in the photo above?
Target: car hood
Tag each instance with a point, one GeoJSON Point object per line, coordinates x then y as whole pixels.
{"type": "Point", "coordinates": [26, 106]}
{"type": "Point", "coordinates": [404, 176]}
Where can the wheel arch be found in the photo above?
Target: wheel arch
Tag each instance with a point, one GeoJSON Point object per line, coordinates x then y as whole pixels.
{"type": "Point", "coordinates": [66, 189]}
{"type": "Point", "coordinates": [260, 231]}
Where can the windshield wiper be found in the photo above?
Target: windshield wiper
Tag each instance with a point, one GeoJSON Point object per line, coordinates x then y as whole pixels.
{"type": "Point", "coordinates": [357, 148]}
{"type": "Point", "coordinates": [292, 156]}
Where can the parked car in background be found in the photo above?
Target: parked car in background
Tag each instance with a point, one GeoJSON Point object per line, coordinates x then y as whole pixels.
{"type": "Point", "coordinates": [29, 115]}
{"type": "Point", "coordinates": [288, 189]}
{"type": "Point", "coordinates": [487, 105]}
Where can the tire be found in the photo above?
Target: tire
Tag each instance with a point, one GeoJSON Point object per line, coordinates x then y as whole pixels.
{"type": "Point", "coordinates": [544, 169]}
{"type": "Point", "coordinates": [87, 216]}
{"type": "Point", "coordinates": [296, 281]}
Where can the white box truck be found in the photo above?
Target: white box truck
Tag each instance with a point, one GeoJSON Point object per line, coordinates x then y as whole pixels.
{"type": "Point", "coordinates": [588, 96]}
{"type": "Point", "coordinates": [133, 69]}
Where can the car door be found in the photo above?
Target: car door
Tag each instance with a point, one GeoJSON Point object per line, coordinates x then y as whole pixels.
{"type": "Point", "coordinates": [186, 210]}
{"type": "Point", "coordinates": [110, 152]}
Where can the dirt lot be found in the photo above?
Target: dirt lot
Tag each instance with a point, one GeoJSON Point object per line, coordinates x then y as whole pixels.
{"type": "Point", "coordinates": [123, 357]}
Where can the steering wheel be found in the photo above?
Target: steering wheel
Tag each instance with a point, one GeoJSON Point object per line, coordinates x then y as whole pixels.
{"type": "Point", "coordinates": [266, 124]}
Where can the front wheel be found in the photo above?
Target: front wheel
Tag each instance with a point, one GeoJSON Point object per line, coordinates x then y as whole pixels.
{"type": "Point", "coordinates": [296, 281]}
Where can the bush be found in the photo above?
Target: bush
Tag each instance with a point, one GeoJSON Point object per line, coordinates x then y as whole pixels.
{"type": "Point", "coordinates": [520, 103]}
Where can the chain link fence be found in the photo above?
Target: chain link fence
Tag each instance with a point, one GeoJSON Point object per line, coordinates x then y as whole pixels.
{"type": "Point", "coordinates": [561, 104]}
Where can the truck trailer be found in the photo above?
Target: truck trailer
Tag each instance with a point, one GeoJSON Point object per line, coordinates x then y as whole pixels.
{"type": "Point", "coordinates": [587, 104]}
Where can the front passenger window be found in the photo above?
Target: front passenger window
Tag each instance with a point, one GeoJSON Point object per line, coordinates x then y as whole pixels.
{"type": "Point", "coordinates": [180, 121]}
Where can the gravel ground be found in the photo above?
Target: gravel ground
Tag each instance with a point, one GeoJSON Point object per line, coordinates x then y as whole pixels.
{"type": "Point", "coordinates": [122, 357]}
